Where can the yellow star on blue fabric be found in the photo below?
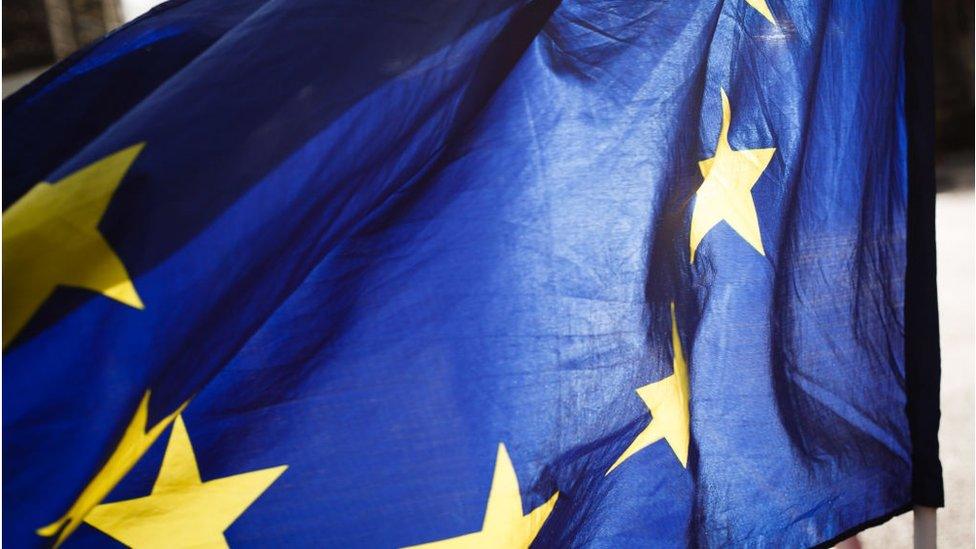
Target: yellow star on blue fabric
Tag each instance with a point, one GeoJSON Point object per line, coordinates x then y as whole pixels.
{"type": "Point", "coordinates": [504, 524]}
{"type": "Point", "coordinates": [136, 439]}
{"type": "Point", "coordinates": [51, 238]}
{"type": "Point", "coordinates": [726, 193]}
{"type": "Point", "coordinates": [667, 400]}
{"type": "Point", "coordinates": [761, 7]}
{"type": "Point", "coordinates": [182, 510]}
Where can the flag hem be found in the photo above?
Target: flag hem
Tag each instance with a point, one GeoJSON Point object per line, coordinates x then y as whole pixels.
{"type": "Point", "coordinates": [871, 523]}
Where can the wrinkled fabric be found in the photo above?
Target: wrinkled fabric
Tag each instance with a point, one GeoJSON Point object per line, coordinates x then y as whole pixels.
{"type": "Point", "coordinates": [376, 240]}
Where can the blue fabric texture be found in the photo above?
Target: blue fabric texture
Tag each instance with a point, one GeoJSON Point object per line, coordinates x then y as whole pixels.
{"type": "Point", "coordinates": [375, 240]}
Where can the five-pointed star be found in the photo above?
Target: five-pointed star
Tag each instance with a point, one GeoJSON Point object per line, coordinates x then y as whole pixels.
{"type": "Point", "coordinates": [182, 510]}
{"type": "Point", "coordinates": [726, 194]}
{"type": "Point", "coordinates": [504, 524]}
{"type": "Point", "coordinates": [761, 7]}
{"type": "Point", "coordinates": [667, 401]}
{"type": "Point", "coordinates": [136, 439]}
{"type": "Point", "coordinates": [51, 238]}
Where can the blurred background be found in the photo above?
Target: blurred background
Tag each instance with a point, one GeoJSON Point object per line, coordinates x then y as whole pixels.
{"type": "Point", "coordinates": [37, 33]}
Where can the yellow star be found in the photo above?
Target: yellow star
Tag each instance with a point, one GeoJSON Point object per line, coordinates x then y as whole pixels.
{"type": "Point", "coordinates": [761, 7]}
{"type": "Point", "coordinates": [504, 524]}
{"type": "Point", "coordinates": [135, 441]}
{"type": "Point", "coordinates": [182, 510]}
{"type": "Point", "coordinates": [726, 194]}
{"type": "Point", "coordinates": [667, 401]}
{"type": "Point", "coordinates": [51, 238]}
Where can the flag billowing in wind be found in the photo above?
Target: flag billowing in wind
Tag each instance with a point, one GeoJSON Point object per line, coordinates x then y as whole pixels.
{"type": "Point", "coordinates": [384, 274]}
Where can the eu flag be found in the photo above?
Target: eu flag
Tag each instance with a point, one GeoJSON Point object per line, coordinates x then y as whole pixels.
{"type": "Point", "coordinates": [601, 273]}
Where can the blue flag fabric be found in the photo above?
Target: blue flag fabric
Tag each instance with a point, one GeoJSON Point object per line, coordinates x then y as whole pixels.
{"type": "Point", "coordinates": [579, 273]}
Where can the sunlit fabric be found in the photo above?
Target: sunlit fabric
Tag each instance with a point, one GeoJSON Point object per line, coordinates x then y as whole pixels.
{"type": "Point", "coordinates": [459, 274]}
